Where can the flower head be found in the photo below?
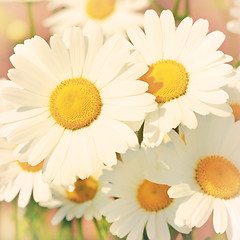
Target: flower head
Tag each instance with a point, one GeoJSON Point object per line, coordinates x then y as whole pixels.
{"type": "Point", "coordinates": [185, 72]}
{"type": "Point", "coordinates": [139, 202]}
{"type": "Point", "coordinates": [113, 15]}
{"type": "Point", "coordinates": [74, 98]}
{"type": "Point", "coordinates": [205, 173]}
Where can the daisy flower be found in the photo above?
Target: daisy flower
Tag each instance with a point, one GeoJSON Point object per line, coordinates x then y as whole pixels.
{"type": "Point", "coordinates": [113, 15]}
{"type": "Point", "coordinates": [233, 90]}
{"type": "Point", "coordinates": [20, 177]}
{"type": "Point", "coordinates": [185, 72]}
{"type": "Point", "coordinates": [74, 96]}
{"type": "Point", "coordinates": [234, 25]}
{"type": "Point", "coordinates": [85, 200]}
{"type": "Point", "coordinates": [206, 171]}
{"type": "Point", "coordinates": [140, 203]}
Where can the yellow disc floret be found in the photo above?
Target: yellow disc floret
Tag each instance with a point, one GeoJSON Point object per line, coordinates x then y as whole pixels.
{"type": "Point", "coordinates": [167, 80]}
{"type": "Point", "coordinates": [29, 168]}
{"type": "Point", "coordinates": [236, 111]}
{"type": "Point", "coordinates": [85, 190]}
{"type": "Point", "coordinates": [153, 196]}
{"type": "Point", "coordinates": [218, 177]}
{"type": "Point", "coordinates": [75, 103]}
{"type": "Point", "coordinates": [100, 9]}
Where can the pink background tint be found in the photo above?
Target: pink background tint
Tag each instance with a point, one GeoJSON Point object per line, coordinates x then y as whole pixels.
{"type": "Point", "coordinates": [215, 11]}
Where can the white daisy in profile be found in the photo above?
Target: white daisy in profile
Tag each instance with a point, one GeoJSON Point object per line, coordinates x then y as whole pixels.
{"type": "Point", "coordinates": [234, 25]}
{"type": "Point", "coordinates": [85, 200]}
{"type": "Point", "coordinates": [73, 99]}
{"type": "Point", "coordinates": [233, 90]}
{"type": "Point", "coordinates": [20, 178]}
{"type": "Point", "coordinates": [140, 203]}
{"type": "Point", "coordinates": [207, 174]}
{"type": "Point", "coordinates": [185, 72]}
{"type": "Point", "coordinates": [113, 15]}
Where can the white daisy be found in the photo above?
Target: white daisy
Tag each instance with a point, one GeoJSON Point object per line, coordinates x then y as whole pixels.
{"type": "Point", "coordinates": [205, 172]}
{"type": "Point", "coordinates": [185, 72]}
{"type": "Point", "coordinates": [234, 25]}
{"type": "Point", "coordinates": [20, 177]}
{"type": "Point", "coordinates": [233, 90]}
{"type": "Point", "coordinates": [140, 203]}
{"type": "Point", "coordinates": [113, 15]}
{"type": "Point", "coordinates": [73, 100]}
{"type": "Point", "coordinates": [85, 200]}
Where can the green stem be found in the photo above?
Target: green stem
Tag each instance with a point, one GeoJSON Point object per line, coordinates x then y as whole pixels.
{"type": "Point", "coordinates": [187, 9]}
{"type": "Point", "coordinates": [16, 222]}
{"type": "Point", "coordinates": [187, 236]}
{"type": "Point", "coordinates": [100, 233]}
{"type": "Point", "coordinates": [145, 236]}
{"type": "Point", "coordinates": [156, 5]}
{"type": "Point", "coordinates": [31, 20]}
{"type": "Point", "coordinates": [175, 8]}
{"type": "Point", "coordinates": [80, 229]}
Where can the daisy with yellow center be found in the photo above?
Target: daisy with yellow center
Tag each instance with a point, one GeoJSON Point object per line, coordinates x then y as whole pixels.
{"type": "Point", "coordinates": [113, 15]}
{"type": "Point", "coordinates": [234, 25]}
{"type": "Point", "coordinates": [185, 72]}
{"type": "Point", "coordinates": [20, 178]}
{"type": "Point", "coordinates": [75, 97]}
{"type": "Point", "coordinates": [139, 203]}
{"type": "Point", "coordinates": [233, 90]}
{"type": "Point", "coordinates": [85, 200]}
{"type": "Point", "coordinates": [205, 174]}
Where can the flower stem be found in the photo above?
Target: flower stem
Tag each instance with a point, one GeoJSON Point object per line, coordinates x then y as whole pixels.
{"type": "Point", "coordinates": [187, 236]}
{"type": "Point", "coordinates": [100, 232]}
{"type": "Point", "coordinates": [187, 9]}
{"type": "Point", "coordinates": [16, 222]}
{"type": "Point", "coordinates": [31, 20]}
{"type": "Point", "coordinates": [175, 7]}
{"type": "Point", "coordinates": [80, 229]}
{"type": "Point", "coordinates": [156, 5]}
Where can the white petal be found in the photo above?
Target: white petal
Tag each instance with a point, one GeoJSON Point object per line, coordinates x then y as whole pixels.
{"type": "Point", "coordinates": [26, 191]}
{"type": "Point", "coordinates": [94, 40]}
{"type": "Point", "coordinates": [220, 218]}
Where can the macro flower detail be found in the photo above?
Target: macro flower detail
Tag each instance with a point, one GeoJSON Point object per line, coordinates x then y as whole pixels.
{"type": "Point", "coordinates": [113, 15]}
{"type": "Point", "coordinates": [75, 99]}
{"type": "Point", "coordinates": [139, 202]}
{"type": "Point", "coordinates": [216, 175]}
{"type": "Point", "coordinates": [20, 177]}
{"type": "Point", "coordinates": [86, 200]}
{"type": "Point", "coordinates": [75, 103]}
{"type": "Point", "coordinates": [185, 72]}
{"type": "Point", "coordinates": [207, 174]}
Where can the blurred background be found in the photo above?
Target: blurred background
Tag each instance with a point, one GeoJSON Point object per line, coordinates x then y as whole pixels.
{"type": "Point", "coordinates": [34, 222]}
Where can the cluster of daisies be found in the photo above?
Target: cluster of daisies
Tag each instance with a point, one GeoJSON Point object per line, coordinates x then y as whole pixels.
{"type": "Point", "coordinates": [163, 98]}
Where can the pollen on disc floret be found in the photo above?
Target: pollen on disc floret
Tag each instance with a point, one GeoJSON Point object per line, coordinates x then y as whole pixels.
{"type": "Point", "coordinates": [218, 177]}
{"type": "Point", "coordinates": [75, 103]}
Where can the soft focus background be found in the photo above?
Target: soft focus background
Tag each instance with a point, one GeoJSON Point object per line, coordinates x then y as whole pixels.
{"type": "Point", "coordinates": [14, 28]}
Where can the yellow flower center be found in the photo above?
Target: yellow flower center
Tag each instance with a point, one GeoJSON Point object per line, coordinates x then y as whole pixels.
{"type": "Point", "coordinates": [100, 9]}
{"type": "Point", "coordinates": [167, 80]}
{"type": "Point", "coordinates": [85, 190]}
{"type": "Point", "coordinates": [153, 196]}
{"type": "Point", "coordinates": [236, 111]}
{"type": "Point", "coordinates": [28, 168]}
{"type": "Point", "coordinates": [218, 177]}
{"type": "Point", "coordinates": [75, 103]}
